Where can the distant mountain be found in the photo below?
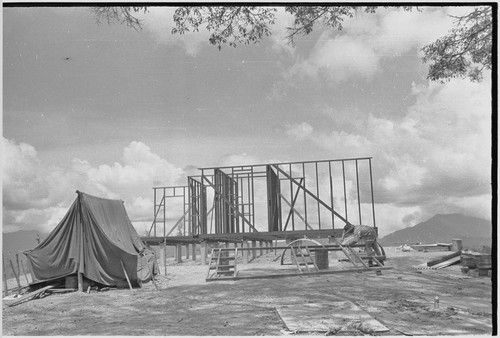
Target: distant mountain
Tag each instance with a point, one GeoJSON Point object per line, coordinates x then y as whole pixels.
{"type": "Point", "coordinates": [474, 232]}
{"type": "Point", "coordinates": [20, 240]}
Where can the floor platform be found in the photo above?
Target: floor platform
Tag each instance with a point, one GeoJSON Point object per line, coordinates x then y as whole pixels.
{"type": "Point", "coordinates": [280, 271]}
{"type": "Point", "coordinates": [244, 236]}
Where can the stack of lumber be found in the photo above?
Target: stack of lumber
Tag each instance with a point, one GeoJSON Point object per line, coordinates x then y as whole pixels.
{"type": "Point", "coordinates": [432, 247]}
{"type": "Point", "coordinates": [443, 262]}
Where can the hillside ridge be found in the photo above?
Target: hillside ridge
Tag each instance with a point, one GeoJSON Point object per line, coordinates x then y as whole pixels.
{"type": "Point", "coordinates": [443, 228]}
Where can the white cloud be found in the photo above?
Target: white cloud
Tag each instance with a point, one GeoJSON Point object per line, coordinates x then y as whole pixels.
{"type": "Point", "coordinates": [159, 21]}
{"type": "Point", "coordinates": [37, 195]}
{"type": "Point", "coordinates": [237, 159]}
{"type": "Point", "coordinates": [300, 131]}
{"type": "Point", "coordinates": [338, 59]}
{"type": "Point", "coordinates": [392, 217]}
{"type": "Point", "coordinates": [357, 51]}
{"type": "Point", "coordinates": [436, 157]}
{"type": "Point", "coordinates": [399, 31]}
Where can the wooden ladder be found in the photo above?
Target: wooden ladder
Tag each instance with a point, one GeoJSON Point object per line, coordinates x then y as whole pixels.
{"type": "Point", "coordinates": [302, 257]}
{"type": "Point", "coordinates": [356, 259]}
{"type": "Point", "coordinates": [222, 264]}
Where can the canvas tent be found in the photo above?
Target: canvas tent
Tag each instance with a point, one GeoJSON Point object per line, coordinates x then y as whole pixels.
{"type": "Point", "coordinates": [95, 238]}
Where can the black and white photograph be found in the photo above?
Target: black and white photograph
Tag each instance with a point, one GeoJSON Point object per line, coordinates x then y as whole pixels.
{"type": "Point", "coordinates": [249, 169]}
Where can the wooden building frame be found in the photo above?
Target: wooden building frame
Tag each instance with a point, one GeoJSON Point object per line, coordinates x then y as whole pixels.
{"type": "Point", "coordinates": [295, 199]}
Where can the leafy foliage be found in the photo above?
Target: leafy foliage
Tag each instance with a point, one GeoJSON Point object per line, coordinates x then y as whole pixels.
{"type": "Point", "coordinates": [228, 24]}
{"type": "Point", "coordinates": [121, 15]}
{"type": "Point", "coordinates": [331, 16]}
{"type": "Point", "coordinates": [465, 51]}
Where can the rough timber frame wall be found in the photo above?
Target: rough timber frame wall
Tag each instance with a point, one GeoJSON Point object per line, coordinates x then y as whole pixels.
{"type": "Point", "coordinates": [273, 200]}
{"type": "Point", "coordinates": [298, 197]}
{"type": "Point", "coordinates": [161, 196]}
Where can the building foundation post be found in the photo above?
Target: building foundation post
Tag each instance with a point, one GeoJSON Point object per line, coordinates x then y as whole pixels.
{"type": "Point", "coordinates": [193, 252]}
{"type": "Point", "coordinates": [203, 249]}
{"type": "Point", "coordinates": [178, 254]}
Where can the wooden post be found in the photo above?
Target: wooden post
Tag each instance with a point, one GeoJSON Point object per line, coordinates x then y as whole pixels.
{"type": "Point", "coordinates": [165, 257]}
{"type": "Point", "coordinates": [287, 241]}
{"type": "Point", "coordinates": [14, 270]}
{"type": "Point", "coordinates": [246, 245]}
{"type": "Point", "coordinates": [193, 251]}
{"type": "Point", "coordinates": [457, 245]}
{"type": "Point", "coordinates": [80, 282]}
{"type": "Point", "coordinates": [254, 251]}
{"type": "Point", "coordinates": [162, 256]}
{"type": "Point", "coordinates": [178, 254]}
{"type": "Point", "coordinates": [261, 252]}
{"type": "Point", "coordinates": [28, 271]}
{"type": "Point", "coordinates": [5, 286]}
{"type": "Point", "coordinates": [25, 274]}
{"type": "Point", "coordinates": [18, 266]}
{"type": "Point", "coordinates": [126, 276]}
{"type": "Point", "coordinates": [187, 251]}
{"type": "Point", "coordinates": [203, 249]}
{"type": "Point", "coordinates": [235, 245]}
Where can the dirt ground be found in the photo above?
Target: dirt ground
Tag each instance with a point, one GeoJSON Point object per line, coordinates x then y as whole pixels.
{"type": "Point", "coordinates": [402, 299]}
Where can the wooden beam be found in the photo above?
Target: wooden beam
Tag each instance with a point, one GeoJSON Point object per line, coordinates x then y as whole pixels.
{"type": "Point", "coordinates": [5, 286]}
{"type": "Point", "coordinates": [178, 223]}
{"type": "Point", "coordinates": [25, 274]}
{"type": "Point", "coordinates": [31, 295]}
{"type": "Point", "coordinates": [15, 274]}
{"type": "Point", "coordinates": [126, 276]}
{"type": "Point", "coordinates": [292, 209]}
{"type": "Point", "coordinates": [80, 282]}
{"type": "Point", "coordinates": [292, 205]}
{"type": "Point", "coordinates": [311, 194]}
{"type": "Point", "coordinates": [295, 274]}
{"type": "Point", "coordinates": [238, 237]}
{"type": "Point", "coordinates": [230, 205]}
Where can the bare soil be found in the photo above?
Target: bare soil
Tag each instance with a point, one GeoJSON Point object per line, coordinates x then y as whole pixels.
{"type": "Point", "coordinates": [401, 299]}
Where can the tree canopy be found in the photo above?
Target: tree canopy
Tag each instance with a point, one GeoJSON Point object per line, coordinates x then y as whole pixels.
{"type": "Point", "coordinates": [465, 52]}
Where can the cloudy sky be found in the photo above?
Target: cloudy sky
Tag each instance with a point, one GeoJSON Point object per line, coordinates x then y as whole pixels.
{"type": "Point", "coordinates": [113, 111]}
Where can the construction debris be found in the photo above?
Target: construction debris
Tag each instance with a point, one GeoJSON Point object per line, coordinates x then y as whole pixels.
{"type": "Point", "coordinates": [405, 248]}
{"type": "Point", "coordinates": [334, 317]}
{"type": "Point", "coordinates": [476, 264]}
{"type": "Point", "coordinates": [38, 293]}
{"type": "Point", "coordinates": [432, 247]}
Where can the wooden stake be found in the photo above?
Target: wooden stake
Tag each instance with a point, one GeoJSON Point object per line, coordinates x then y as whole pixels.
{"type": "Point", "coordinates": [203, 247]}
{"type": "Point", "coordinates": [5, 286]}
{"type": "Point", "coordinates": [24, 273]}
{"type": "Point", "coordinates": [165, 257]}
{"type": "Point", "coordinates": [193, 251]}
{"type": "Point", "coordinates": [125, 272]}
{"type": "Point", "coordinates": [17, 264]}
{"type": "Point", "coordinates": [80, 282]}
{"type": "Point", "coordinates": [14, 270]}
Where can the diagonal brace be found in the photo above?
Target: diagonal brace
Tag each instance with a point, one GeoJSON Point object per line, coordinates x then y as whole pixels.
{"type": "Point", "coordinates": [237, 212]}
{"type": "Point", "coordinates": [291, 206]}
{"type": "Point", "coordinates": [292, 209]}
{"type": "Point", "coordinates": [310, 193]}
